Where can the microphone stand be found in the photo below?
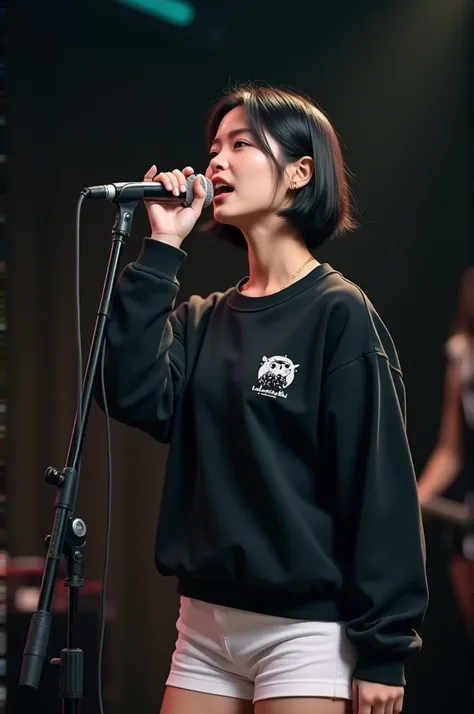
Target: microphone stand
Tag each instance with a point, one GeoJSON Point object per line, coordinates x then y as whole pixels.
{"type": "Point", "coordinates": [68, 534]}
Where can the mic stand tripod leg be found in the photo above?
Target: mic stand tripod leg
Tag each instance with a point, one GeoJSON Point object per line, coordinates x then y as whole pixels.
{"type": "Point", "coordinates": [71, 662]}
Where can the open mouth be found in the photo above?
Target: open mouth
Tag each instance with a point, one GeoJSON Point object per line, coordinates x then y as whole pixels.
{"type": "Point", "coordinates": [223, 190]}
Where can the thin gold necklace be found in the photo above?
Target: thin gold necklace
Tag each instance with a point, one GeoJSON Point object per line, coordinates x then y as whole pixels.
{"type": "Point", "coordinates": [295, 275]}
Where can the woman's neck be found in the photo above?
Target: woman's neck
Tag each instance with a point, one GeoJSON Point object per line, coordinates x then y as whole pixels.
{"type": "Point", "coordinates": [275, 254]}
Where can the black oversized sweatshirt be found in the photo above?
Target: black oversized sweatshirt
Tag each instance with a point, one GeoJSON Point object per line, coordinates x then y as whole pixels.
{"type": "Point", "coordinates": [290, 487]}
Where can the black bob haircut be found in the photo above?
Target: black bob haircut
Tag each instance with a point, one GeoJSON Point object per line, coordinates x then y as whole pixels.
{"type": "Point", "coordinates": [319, 210]}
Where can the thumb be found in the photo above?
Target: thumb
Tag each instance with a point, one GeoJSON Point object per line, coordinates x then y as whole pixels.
{"type": "Point", "coordinates": [199, 194]}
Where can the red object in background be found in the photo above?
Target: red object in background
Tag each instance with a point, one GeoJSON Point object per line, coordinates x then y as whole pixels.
{"type": "Point", "coordinates": [23, 578]}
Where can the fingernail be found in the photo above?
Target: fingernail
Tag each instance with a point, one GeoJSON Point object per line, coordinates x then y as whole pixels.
{"type": "Point", "coordinates": [176, 191]}
{"type": "Point", "coordinates": [183, 188]}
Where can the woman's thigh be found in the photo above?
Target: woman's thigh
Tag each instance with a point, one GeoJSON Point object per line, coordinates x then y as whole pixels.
{"type": "Point", "coordinates": [186, 701]}
{"type": "Point", "coordinates": [303, 705]}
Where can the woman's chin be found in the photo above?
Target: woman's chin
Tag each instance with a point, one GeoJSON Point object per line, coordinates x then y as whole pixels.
{"type": "Point", "coordinates": [223, 216]}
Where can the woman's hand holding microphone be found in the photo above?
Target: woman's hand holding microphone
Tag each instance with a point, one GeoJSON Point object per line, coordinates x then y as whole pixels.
{"type": "Point", "coordinates": [171, 223]}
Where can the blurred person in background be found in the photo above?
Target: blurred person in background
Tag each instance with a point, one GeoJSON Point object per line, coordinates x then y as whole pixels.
{"type": "Point", "coordinates": [289, 513]}
{"type": "Point", "coordinates": [453, 456]}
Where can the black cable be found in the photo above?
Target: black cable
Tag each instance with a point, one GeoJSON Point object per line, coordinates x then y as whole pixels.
{"type": "Point", "coordinates": [78, 309]}
{"type": "Point", "coordinates": [107, 528]}
{"type": "Point", "coordinates": [103, 597]}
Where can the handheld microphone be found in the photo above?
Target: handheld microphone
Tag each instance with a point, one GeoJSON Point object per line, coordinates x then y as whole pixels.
{"type": "Point", "coordinates": [153, 190]}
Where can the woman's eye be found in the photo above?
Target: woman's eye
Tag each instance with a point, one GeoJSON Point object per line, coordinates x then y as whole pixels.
{"type": "Point", "coordinates": [237, 145]}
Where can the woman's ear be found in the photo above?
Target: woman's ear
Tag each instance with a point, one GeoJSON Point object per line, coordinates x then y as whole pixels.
{"type": "Point", "coordinates": [302, 172]}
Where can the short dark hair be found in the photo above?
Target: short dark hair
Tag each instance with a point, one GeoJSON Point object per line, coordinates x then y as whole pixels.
{"type": "Point", "coordinates": [321, 209]}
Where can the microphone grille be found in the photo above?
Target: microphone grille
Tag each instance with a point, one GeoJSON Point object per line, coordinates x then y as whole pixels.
{"type": "Point", "coordinates": [207, 185]}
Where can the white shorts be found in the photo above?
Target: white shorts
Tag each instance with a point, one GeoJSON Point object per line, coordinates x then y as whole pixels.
{"type": "Point", "coordinates": [247, 655]}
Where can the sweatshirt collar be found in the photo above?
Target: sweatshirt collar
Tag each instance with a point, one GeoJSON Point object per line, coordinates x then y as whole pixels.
{"type": "Point", "coordinates": [239, 301]}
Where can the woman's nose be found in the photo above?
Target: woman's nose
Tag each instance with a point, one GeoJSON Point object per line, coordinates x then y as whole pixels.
{"type": "Point", "coordinates": [219, 163]}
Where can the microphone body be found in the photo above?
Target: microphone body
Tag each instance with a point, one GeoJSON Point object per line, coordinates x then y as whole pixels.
{"type": "Point", "coordinates": [149, 190]}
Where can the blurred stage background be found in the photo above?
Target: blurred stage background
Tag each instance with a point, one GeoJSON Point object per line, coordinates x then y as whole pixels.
{"type": "Point", "coordinates": [98, 92]}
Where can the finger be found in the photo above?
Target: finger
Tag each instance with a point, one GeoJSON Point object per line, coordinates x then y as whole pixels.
{"type": "Point", "coordinates": [175, 186]}
{"type": "Point", "coordinates": [398, 706]}
{"type": "Point", "coordinates": [168, 181]}
{"type": "Point", "coordinates": [389, 707]}
{"type": "Point", "coordinates": [181, 180]}
{"type": "Point", "coordinates": [150, 173]}
{"type": "Point", "coordinates": [162, 177]}
{"type": "Point", "coordinates": [364, 705]}
{"type": "Point", "coordinates": [188, 171]}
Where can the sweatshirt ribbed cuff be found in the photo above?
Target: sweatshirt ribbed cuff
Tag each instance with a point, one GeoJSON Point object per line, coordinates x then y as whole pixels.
{"type": "Point", "coordinates": [380, 670]}
{"type": "Point", "coordinates": [160, 258]}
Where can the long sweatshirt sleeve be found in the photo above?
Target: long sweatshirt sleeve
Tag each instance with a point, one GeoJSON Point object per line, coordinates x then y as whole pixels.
{"type": "Point", "coordinates": [151, 345]}
{"type": "Point", "coordinates": [378, 517]}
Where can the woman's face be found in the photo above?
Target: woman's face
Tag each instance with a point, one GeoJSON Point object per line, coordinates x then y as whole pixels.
{"type": "Point", "coordinates": [248, 175]}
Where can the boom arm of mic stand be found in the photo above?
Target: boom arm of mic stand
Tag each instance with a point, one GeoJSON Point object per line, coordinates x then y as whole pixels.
{"type": "Point", "coordinates": [67, 535]}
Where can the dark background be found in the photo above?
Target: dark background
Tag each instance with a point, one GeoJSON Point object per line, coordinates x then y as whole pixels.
{"type": "Point", "coordinates": [97, 93]}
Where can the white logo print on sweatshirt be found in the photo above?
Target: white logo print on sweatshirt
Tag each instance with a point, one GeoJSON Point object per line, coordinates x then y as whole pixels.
{"type": "Point", "coordinates": [275, 374]}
